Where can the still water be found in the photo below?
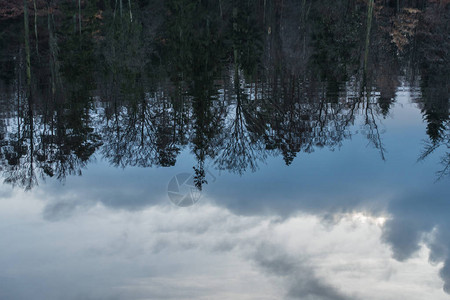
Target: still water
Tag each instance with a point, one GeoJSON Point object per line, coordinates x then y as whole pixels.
{"type": "Point", "coordinates": [248, 152]}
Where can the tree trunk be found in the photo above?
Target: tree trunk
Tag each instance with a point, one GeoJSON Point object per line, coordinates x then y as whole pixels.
{"type": "Point", "coordinates": [264, 15]}
{"type": "Point", "coordinates": [35, 27]}
{"type": "Point", "coordinates": [53, 51]}
{"type": "Point", "coordinates": [79, 15]}
{"type": "Point", "coordinates": [369, 25]}
{"type": "Point", "coordinates": [27, 41]}
{"type": "Point", "coordinates": [129, 7]}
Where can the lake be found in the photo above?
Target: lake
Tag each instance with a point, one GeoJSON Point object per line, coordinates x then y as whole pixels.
{"type": "Point", "coordinates": [273, 149]}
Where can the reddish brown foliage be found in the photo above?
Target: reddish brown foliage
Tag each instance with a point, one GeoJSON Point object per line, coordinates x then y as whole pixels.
{"type": "Point", "coordinates": [12, 9]}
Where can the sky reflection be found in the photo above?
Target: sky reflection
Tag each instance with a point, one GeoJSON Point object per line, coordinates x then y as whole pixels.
{"type": "Point", "coordinates": [203, 252]}
{"type": "Point", "coordinates": [316, 132]}
{"type": "Point", "coordinates": [332, 225]}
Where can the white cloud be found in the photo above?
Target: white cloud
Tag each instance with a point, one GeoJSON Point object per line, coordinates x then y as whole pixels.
{"type": "Point", "coordinates": [204, 252]}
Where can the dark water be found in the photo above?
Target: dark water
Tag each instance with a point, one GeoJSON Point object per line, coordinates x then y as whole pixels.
{"type": "Point", "coordinates": [220, 150]}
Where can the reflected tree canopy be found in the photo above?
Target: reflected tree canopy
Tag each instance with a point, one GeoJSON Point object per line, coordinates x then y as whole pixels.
{"type": "Point", "coordinates": [233, 82]}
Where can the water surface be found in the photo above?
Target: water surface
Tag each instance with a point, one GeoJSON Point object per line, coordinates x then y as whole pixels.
{"type": "Point", "coordinates": [312, 139]}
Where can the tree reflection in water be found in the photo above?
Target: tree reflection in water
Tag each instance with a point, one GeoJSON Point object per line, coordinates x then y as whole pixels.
{"type": "Point", "coordinates": [233, 85]}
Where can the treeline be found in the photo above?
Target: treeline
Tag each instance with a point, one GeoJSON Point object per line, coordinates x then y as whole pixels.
{"type": "Point", "coordinates": [233, 81]}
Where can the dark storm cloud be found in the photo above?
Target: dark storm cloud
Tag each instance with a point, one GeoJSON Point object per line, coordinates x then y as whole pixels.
{"type": "Point", "coordinates": [301, 280]}
{"type": "Point", "coordinates": [59, 210]}
{"type": "Point", "coordinates": [130, 189]}
{"type": "Point", "coordinates": [445, 275]}
{"type": "Point", "coordinates": [417, 218]}
{"type": "Point", "coordinates": [404, 237]}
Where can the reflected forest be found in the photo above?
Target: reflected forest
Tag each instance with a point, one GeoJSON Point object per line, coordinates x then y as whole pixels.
{"type": "Point", "coordinates": [233, 82]}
